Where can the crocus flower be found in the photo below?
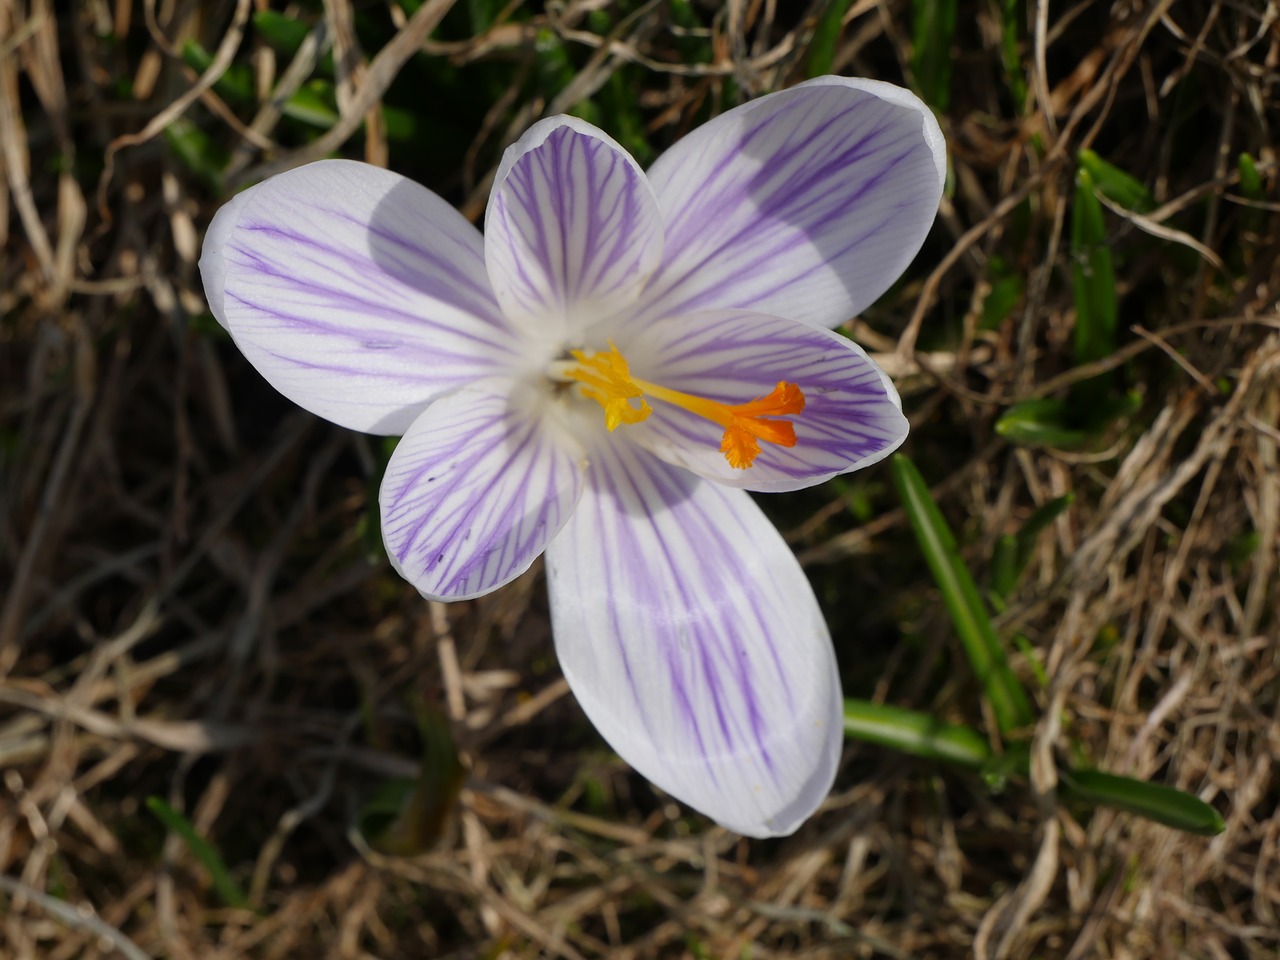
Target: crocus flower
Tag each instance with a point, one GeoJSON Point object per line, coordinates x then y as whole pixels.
{"type": "Point", "coordinates": [603, 376]}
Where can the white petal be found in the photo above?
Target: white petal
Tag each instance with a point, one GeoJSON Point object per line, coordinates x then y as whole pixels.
{"type": "Point", "coordinates": [476, 490]}
{"type": "Point", "coordinates": [852, 416]}
{"type": "Point", "coordinates": [358, 294]}
{"type": "Point", "coordinates": [693, 641]}
{"type": "Point", "coordinates": [213, 265]}
{"type": "Point", "coordinates": [806, 203]}
{"type": "Point", "coordinates": [572, 231]}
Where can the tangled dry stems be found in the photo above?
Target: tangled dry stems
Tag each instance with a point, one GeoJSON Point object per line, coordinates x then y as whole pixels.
{"type": "Point", "coordinates": [192, 609]}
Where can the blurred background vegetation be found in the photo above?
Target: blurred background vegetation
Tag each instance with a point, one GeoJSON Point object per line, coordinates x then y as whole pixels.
{"type": "Point", "coordinates": [228, 729]}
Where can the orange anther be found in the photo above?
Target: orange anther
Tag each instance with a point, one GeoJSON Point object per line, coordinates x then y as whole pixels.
{"type": "Point", "coordinates": [606, 378]}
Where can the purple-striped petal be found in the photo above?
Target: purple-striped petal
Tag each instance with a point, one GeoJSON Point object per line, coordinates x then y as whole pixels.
{"type": "Point", "coordinates": [476, 490]}
{"type": "Point", "coordinates": [572, 231]}
{"type": "Point", "coordinates": [693, 641]}
{"type": "Point", "coordinates": [852, 415]}
{"type": "Point", "coordinates": [806, 203]}
{"type": "Point", "coordinates": [358, 294]}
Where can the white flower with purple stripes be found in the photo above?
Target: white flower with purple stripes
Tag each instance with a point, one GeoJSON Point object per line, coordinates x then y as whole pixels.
{"type": "Point", "coordinates": [603, 376]}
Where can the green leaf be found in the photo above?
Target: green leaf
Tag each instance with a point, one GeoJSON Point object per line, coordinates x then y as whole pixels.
{"type": "Point", "coordinates": [1251, 188]}
{"type": "Point", "coordinates": [1033, 660]}
{"type": "Point", "coordinates": [856, 497]}
{"type": "Point", "coordinates": [204, 325]}
{"type": "Point", "coordinates": [1250, 179]}
{"type": "Point", "coordinates": [1039, 520]}
{"type": "Point", "coordinates": [1092, 275]}
{"type": "Point", "coordinates": [369, 526]}
{"type": "Point", "coordinates": [284, 34]}
{"type": "Point", "coordinates": [228, 890]}
{"type": "Point", "coordinates": [933, 30]}
{"type": "Point", "coordinates": [401, 125]}
{"type": "Point", "coordinates": [918, 734]}
{"type": "Point", "coordinates": [826, 36]}
{"type": "Point", "coordinates": [1116, 185]}
{"type": "Point", "coordinates": [197, 151]}
{"type": "Point", "coordinates": [1041, 422]}
{"type": "Point", "coordinates": [1015, 762]}
{"type": "Point", "coordinates": [922, 735]}
{"type": "Point", "coordinates": [973, 626]}
{"type": "Point", "coordinates": [626, 120]}
{"type": "Point", "coordinates": [1004, 566]}
{"type": "Point", "coordinates": [692, 42]}
{"type": "Point", "coordinates": [1011, 14]}
{"type": "Point", "coordinates": [236, 83]}
{"type": "Point", "coordinates": [589, 111]}
{"type": "Point", "coordinates": [1005, 294]}
{"type": "Point", "coordinates": [1013, 553]}
{"type": "Point", "coordinates": [408, 817]}
{"type": "Point", "coordinates": [1242, 547]}
{"type": "Point", "coordinates": [314, 103]}
{"type": "Point", "coordinates": [555, 70]}
{"type": "Point", "coordinates": [1153, 801]}
{"type": "Point", "coordinates": [482, 14]}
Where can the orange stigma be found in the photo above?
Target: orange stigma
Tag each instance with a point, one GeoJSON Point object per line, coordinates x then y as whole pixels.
{"type": "Point", "coordinates": [749, 423]}
{"type": "Point", "coordinates": [605, 377]}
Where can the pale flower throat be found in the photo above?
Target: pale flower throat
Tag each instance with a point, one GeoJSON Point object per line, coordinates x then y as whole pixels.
{"type": "Point", "coordinates": [603, 376]}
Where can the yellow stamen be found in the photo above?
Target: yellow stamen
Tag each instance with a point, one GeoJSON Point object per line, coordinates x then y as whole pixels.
{"type": "Point", "coordinates": [605, 378]}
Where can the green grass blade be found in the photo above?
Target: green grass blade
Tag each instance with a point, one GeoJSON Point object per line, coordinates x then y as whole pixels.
{"type": "Point", "coordinates": [283, 33]}
{"type": "Point", "coordinates": [1038, 521]}
{"type": "Point", "coordinates": [228, 890]}
{"type": "Point", "coordinates": [923, 735]}
{"type": "Point", "coordinates": [692, 43]}
{"type": "Point", "coordinates": [933, 30]}
{"type": "Point", "coordinates": [1153, 801]}
{"type": "Point", "coordinates": [1011, 14]}
{"type": "Point", "coordinates": [1004, 566]}
{"type": "Point", "coordinates": [1013, 553]}
{"type": "Point", "coordinates": [483, 13]}
{"type": "Point", "coordinates": [314, 103]}
{"type": "Point", "coordinates": [1093, 276]}
{"type": "Point", "coordinates": [197, 151]}
{"type": "Point", "coordinates": [236, 83]}
{"type": "Point", "coordinates": [1251, 189]}
{"type": "Point", "coordinates": [1041, 422]}
{"type": "Point", "coordinates": [554, 67]}
{"type": "Point", "coordinates": [916, 733]}
{"type": "Point", "coordinates": [1007, 290]}
{"type": "Point", "coordinates": [964, 604]}
{"type": "Point", "coordinates": [1250, 179]}
{"type": "Point", "coordinates": [1033, 660]}
{"type": "Point", "coordinates": [1117, 185]}
{"type": "Point", "coordinates": [826, 36]}
{"type": "Point", "coordinates": [624, 118]}
{"type": "Point", "coordinates": [408, 817]}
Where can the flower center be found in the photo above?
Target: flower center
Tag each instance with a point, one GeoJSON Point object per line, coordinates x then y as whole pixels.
{"type": "Point", "coordinates": [604, 377]}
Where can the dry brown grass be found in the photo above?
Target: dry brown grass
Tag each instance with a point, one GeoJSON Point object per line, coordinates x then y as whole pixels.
{"type": "Point", "coordinates": [191, 608]}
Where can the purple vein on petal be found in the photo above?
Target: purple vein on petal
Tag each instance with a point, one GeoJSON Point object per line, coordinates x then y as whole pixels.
{"type": "Point", "coordinates": [807, 204]}
{"type": "Point", "coordinates": [571, 225]}
{"type": "Point", "coordinates": [360, 274]}
{"type": "Point", "coordinates": [474, 493]}
{"type": "Point", "coordinates": [702, 641]}
{"type": "Point", "coordinates": [749, 237]}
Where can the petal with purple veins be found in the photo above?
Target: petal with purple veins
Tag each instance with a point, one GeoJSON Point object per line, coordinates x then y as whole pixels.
{"type": "Point", "coordinates": [572, 231]}
{"type": "Point", "coordinates": [852, 416]}
{"type": "Point", "coordinates": [807, 203]}
{"type": "Point", "coordinates": [358, 294]}
{"type": "Point", "coordinates": [693, 642]}
{"type": "Point", "coordinates": [476, 489]}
